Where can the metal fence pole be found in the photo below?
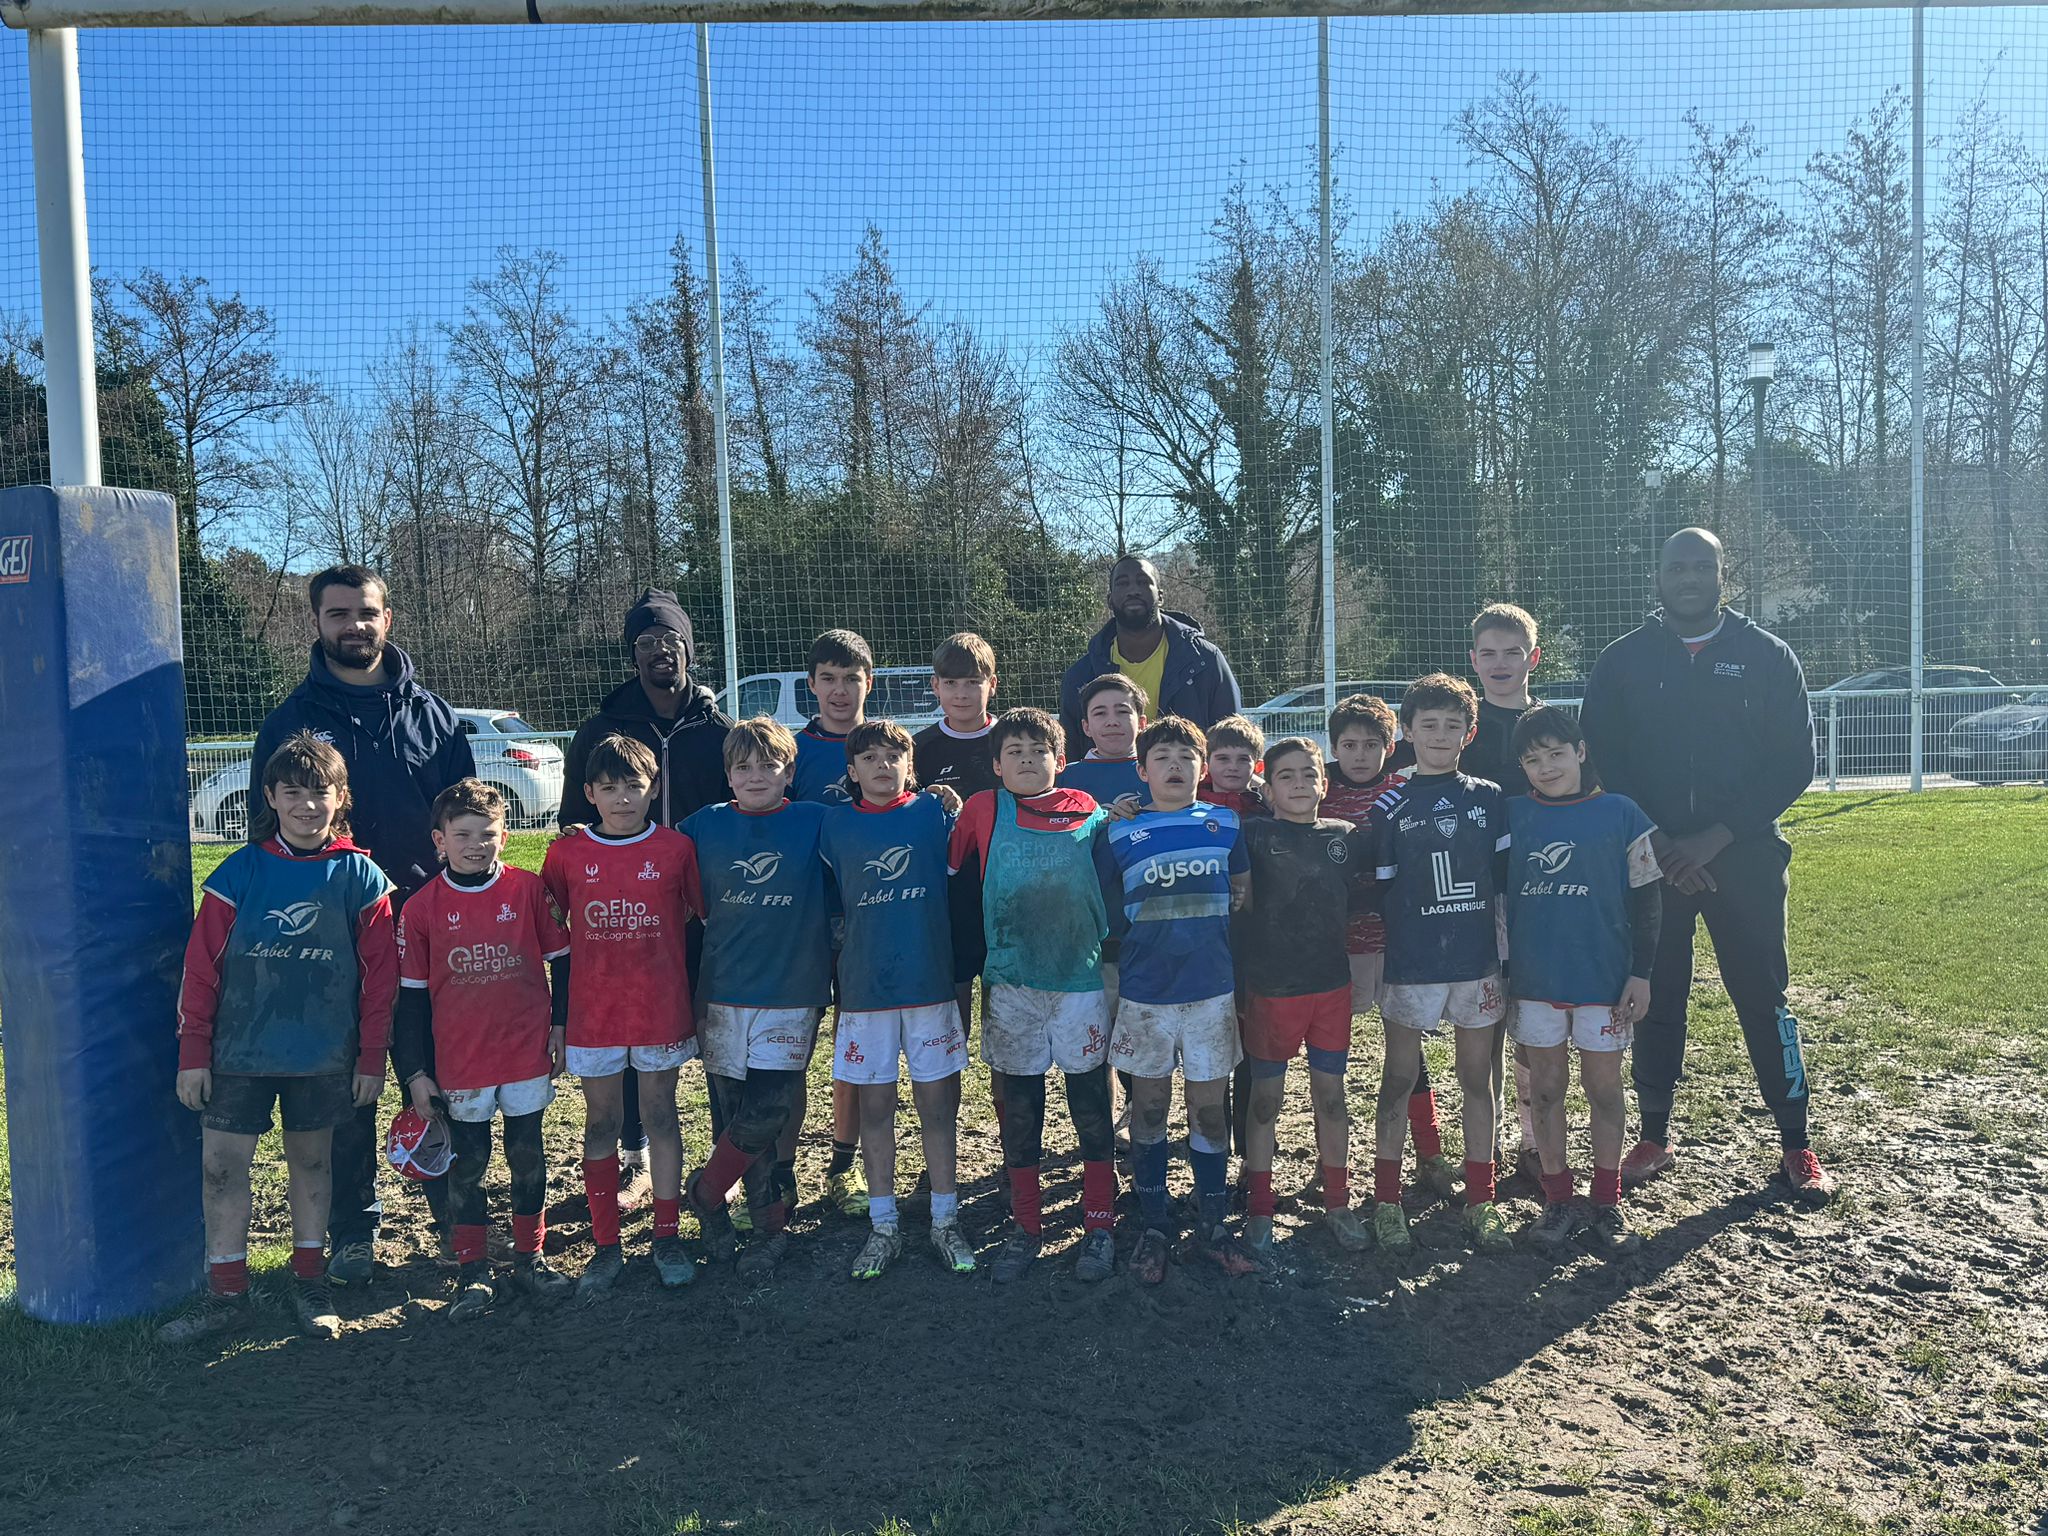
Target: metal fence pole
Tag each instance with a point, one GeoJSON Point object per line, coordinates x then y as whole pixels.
{"type": "Point", "coordinates": [1919, 472]}
{"type": "Point", "coordinates": [69, 371]}
{"type": "Point", "coordinates": [1324, 285]}
{"type": "Point", "coordinates": [725, 567]}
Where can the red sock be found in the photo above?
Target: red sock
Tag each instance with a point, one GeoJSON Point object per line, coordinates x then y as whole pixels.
{"type": "Point", "coordinates": [774, 1218]}
{"type": "Point", "coordinates": [601, 1188]}
{"type": "Point", "coordinates": [668, 1217]}
{"type": "Point", "coordinates": [1557, 1188]}
{"type": "Point", "coordinates": [1386, 1180]}
{"type": "Point", "coordinates": [722, 1170]}
{"type": "Point", "coordinates": [308, 1261]}
{"type": "Point", "coordinates": [228, 1277]}
{"type": "Point", "coordinates": [528, 1231]}
{"type": "Point", "coordinates": [1478, 1182]}
{"type": "Point", "coordinates": [1258, 1199]}
{"type": "Point", "coordinates": [1098, 1196]}
{"type": "Point", "coordinates": [1607, 1186]}
{"type": "Point", "coordinates": [1336, 1188]}
{"type": "Point", "coordinates": [1429, 1141]}
{"type": "Point", "coordinates": [1024, 1199]}
{"type": "Point", "coordinates": [470, 1243]}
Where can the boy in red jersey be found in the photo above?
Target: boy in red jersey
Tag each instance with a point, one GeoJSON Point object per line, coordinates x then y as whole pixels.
{"type": "Point", "coordinates": [622, 890]}
{"type": "Point", "coordinates": [476, 1033]}
{"type": "Point", "coordinates": [1363, 765]}
{"type": "Point", "coordinates": [287, 1001]}
{"type": "Point", "coordinates": [1236, 747]}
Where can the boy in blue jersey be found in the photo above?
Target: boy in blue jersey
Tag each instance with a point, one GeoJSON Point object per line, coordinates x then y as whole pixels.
{"type": "Point", "coordinates": [1440, 842]}
{"type": "Point", "coordinates": [1112, 713]}
{"type": "Point", "coordinates": [841, 670]}
{"type": "Point", "coordinates": [1583, 914]}
{"type": "Point", "coordinates": [1171, 875]}
{"type": "Point", "coordinates": [888, 855]}
{"type": "Point", "coordinates": [766, 978]}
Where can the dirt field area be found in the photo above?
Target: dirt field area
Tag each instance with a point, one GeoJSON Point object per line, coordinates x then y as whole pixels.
{"type": "Point", "coordinates": [1874, 1367]}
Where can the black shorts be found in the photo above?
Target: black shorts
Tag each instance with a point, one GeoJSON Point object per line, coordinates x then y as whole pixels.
{"type": "Point", "coordinates": [241, 1105]}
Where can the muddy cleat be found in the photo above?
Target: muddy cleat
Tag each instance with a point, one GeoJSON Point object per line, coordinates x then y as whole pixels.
{"type": "Point", "coordinates": [714, 1221]}
{"type": "Point", "coordinates": [600, 1274]}
{"type": "Point", "coordinates": [1226, 1253]}
{"type": "Point", "coordinates": [1348, 1228]}
{"type": "Point", "coordinates": [444, 1249]}
{"type": "Point", "coordinates": [1556, 1226]}
{"type": "Point", "coordinates": [1646, 1159]}
{"type": "Point", "coordinates": [534, 1277]}
{"type": "Point", "coordinates": [1148, 1259]}
{"type": "Point", "coordinates": [1436, 1176]}
{"type": "Point", "coordinates": [1096, 1261]}
{"type": "Point", "coordinates": [1018, 1253]}
{"type": "Point", "coordinates": [1258, 1235]}
{"type": "Point", "coordinates": [313, 1306]}
{"type": "Point", "coordinates": [740, 1216]}
{"type": "Point", "coordinates": [1811, 1184]}
{"type": "Point", "coordinates": [636, 1185]}
{"type": "Point", "coordinates": [847, 1192]}
{"type": "Point", "coordinates": [208, 1317]}
{"type": "Point", "coordinates": [352, 1264]}
{"type": "Point", "coordinates": [673, 1265]}
{"type": "Point", "coordinates": [1607, 1231]}
{"type": "Point", "coordinates": [881, 1249]}
{"type": "Point", "coordinates": [758, 1260]}
{"type": "Point", "coordinates": [1486, 1229]}
{"type": "Point", "coordinates": [1390, 1228]}
{"type": "Point", "coordinates": [475, 1297]}
{"type": "Point", "coordinates": [953, 1249]}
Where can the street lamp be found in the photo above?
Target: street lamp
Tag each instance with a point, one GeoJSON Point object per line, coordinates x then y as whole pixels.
{"type": "Point", "coordinates": [1763, 365]}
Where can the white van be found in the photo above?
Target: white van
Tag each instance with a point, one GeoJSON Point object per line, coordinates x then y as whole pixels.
{"type": "Point", "coordinates": [902, 694]}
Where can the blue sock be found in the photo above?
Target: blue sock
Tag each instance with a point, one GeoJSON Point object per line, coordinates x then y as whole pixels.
{"type": "Point", "coordinates": [882, 1210]}
{"type": "Point", "coordinates": [1148, 1171]}
{"type": "Point", "coordinates": [944, 1207]}
{"type": "Point", "coordinates": [1212, 1175]}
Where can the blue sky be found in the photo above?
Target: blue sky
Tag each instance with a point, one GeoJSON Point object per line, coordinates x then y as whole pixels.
{"type": "Point", "coordinates": [354, 180]}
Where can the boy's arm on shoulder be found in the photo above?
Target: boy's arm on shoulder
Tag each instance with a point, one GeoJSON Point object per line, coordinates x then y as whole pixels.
{"type": "Point", "coordinates": [377, 965]}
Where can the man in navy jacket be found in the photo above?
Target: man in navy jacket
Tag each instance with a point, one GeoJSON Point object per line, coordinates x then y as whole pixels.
{"type": "Point", "coordinates": [1195, 681]}
{"type": "Point", "coordinates": [403, 746]}
{"type": "Point", "coordinates": [1701, 718]}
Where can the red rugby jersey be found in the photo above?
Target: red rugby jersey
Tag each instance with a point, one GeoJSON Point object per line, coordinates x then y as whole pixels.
{"type": "Point", "coordinates": [1366, 933]}
{"type": "Point", "coordinates": [625, 903]}
{"type": "Point", "coordinates": [481, 953]}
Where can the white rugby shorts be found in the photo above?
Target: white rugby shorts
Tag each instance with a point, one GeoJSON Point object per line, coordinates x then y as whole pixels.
{"type": "Point", "coordinates": [1027, 1031]}
{"type": "Point", "coordinates": [1151, 1039]}
{"type": "Point", "coordinates": [737, 1040]}
{"type": "Point", "coordinates": [867, 1046]}
{"type": "Point", "coordinates": [1426, 1004]}
{"type": "Point", "coordinates": [1591, 1027]}
{"type": "Point", "coordinates": [476, 1105]}
{"type": "Point", "coordinates": [611, 1060]}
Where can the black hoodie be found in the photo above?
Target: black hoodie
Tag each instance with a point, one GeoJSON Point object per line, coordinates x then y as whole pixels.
{"type": "Point", "coordinates": [689, 749]}
{"type": "Point", "coordinates": [1722, 736]}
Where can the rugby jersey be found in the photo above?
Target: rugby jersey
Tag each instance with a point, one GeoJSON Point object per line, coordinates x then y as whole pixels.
{"type": "Point", "coordinates": [820, 767]}
{"type": "Point", "coordinates": [480, 953]}
{"type": "Point", "coordinates": [1365, 934]}
{"type": "Point", "coordinates": [1438, 840]}
{"type": "Point", "coordinates": [1166, 878]}
{"type": "Point", "coordinates": [1574, 863]}
{"type": "Point", "coordinates": [625, 903]}
{"type": "Point", "coordinates": [962, 764]}
{"type": "Point", "coordinates": [890, 865]}
{"type": "Point", "coordinates": [1104, 778]}
{"type": "Point", "coordinates": [1306, 879]}
{"type": "Point", "coordinates": [1024, 870]}
{"type": "Point", "coordinates": [761, 888]}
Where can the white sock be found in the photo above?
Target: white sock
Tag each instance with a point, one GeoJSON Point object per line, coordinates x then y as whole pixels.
{"type": "Point", "coordinates": [882, 1210]}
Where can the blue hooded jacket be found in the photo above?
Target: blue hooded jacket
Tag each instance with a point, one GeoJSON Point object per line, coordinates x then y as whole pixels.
{"type": "Point", "coordinates": [1196, 684]}
{"type": "Point", "coordinates": [403, 746]}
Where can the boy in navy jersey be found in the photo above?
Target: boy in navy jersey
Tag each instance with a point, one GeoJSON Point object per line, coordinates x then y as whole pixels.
{"type": "Point", "coordinates": [766, 977]}
{"type": "Point", "coordinates": [1023, 856]}
{"type": "Point", "coordinates": [1171, 875]}
{"type": "Point", "coordinates": [1363, 767]}
{"type": "Point", "coordinates": [1309, 872]}
{"type": "Point", "coordinates": [1112, 713]}
{"type": "Point", "coordinates": [478, 1033]}
{"type": "Point", "coordinates": [286, 1000]}
{"type": "Point", "coordinates": [1441, 840]}
{"type": "Point", "coordinates": [896, 1003]}
{"type": "Point", "coordinates": [623, 891]}
{"type": "Point", "coordinates": [1583, 913]}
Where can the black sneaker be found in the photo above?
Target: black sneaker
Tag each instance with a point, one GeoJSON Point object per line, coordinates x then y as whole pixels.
{"type": "Point", "coordinates": [601, 1273]}
{"type": "Point", "coordinates": [759, 1259]}
{"type": "Point", "coordinates": [1608, 1232]}
{"type": "Point", "coordinates": [313, 1306]}
{"type": "Point", "coordinates": [533, 1276]}
{"type": "Point", "coordinates": [475, 1294]}
{"type": "Point", "coordinates": [208, 1317]}
{"type": "Point", "coordinates": [713, 1220]}
{"type": "Point", "coordinates": [1018, 1253]}
{"type": "Point", "coordinates": [353, 1264]}
{"type": "Point", "coordinates": [1556, 1226]}
{"type": "Point", "coordinates": [1097, 1259]}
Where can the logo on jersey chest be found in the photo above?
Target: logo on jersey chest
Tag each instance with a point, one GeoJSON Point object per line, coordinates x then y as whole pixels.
{"type": "Point", "coordinates": [760, 868]}
{"type": "Point", "coordinates": [1447, 824]}
{"type": "Point", "coordinates": [484, 960]}
{"type": "Point", "coordinates": [506, 914]}
{"type": "Point", "coordinates": [295, 919]}
{"type": "Point", "coordinates": [649, 872]}
{"type": "Point", "coordinates": [890, 863]}
{"type": "Point", "coordinates": [1166, 873]}
{"type": "Point", "coordinates": [1337, 850]}
{"type": "Point", "coordinates": [1732, 669]}
{"type": "Point", "coordinates": [1552, 858]}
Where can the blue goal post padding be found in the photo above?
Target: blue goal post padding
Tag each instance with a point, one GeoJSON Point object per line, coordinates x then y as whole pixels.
{"type": "Point", "coordinates": [95, 903]}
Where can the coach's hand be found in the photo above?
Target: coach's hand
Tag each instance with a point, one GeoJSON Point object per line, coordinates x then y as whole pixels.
{"type": "Point", "coordinates": [368, 1086]}
{"type": "Point", "coordinates": [1684, 860]}
{"type": "Point", "coordinates": [558, 1052]}
{"type": "Point", "coordinates": [1635, 1001]}
{"type": "Point", "coordinates": [195, 1087]}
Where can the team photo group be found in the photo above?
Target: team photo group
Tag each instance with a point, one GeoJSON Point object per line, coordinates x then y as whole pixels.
{"type": "Point", "coordinates": [1133, 887]}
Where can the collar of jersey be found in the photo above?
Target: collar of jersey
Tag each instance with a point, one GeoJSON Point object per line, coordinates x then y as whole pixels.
{"type": "Point", "coordinates": [620, 842]}
{"type": "Point", "coordinates": [1542, 799]}
{"type": "Point", "coordinates": [776, 809]}
{"type": "Point", "coordinates": [448, 875]}
{"type": "Point", "coordinates": [817, 732]}
{"type": "Point", "coordinates": [986, 726]}
{"type": "Point", "coordinates": [876, 810]}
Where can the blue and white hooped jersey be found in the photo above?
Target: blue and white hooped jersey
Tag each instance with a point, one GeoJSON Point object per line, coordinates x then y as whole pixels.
{"type": "Point", "coordinates": [1166, 878]}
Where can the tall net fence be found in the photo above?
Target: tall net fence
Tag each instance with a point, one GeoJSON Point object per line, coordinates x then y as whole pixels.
{"type": "Point", "coordinates": [1001, 300]}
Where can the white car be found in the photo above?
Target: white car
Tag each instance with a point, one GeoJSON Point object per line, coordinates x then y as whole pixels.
{"type": "Point", "coordinates": [510, 756]}
{"type": "Point", "coordinates": [902, 694]}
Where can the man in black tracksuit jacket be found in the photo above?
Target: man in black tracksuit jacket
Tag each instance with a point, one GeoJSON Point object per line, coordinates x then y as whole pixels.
{"type": "Point", "coordinates": [1701, 718]}
{"type": "Point", "coordinates": [403, 746]}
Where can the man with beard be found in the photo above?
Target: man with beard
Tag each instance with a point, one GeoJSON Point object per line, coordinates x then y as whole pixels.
{"type": "Point", "coordinates": [403, 746]}
{"type": "Point", "coordinates": [1701, 718]}
{"type": "Point", "coordinates": [1176, 667]}
{"type": "Point", "coordinates": [677, 721]}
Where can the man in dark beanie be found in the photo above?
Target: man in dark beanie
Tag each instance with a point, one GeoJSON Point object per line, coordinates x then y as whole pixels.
{"type": "Point", "coordinates": [676, 718]}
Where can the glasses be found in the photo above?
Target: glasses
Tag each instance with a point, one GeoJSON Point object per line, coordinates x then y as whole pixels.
{"type": "Point", "coordinates": [658, 645]}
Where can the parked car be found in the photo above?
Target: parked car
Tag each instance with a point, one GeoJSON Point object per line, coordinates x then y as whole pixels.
{"type": "Point", "coordinates": [523, 768]}
{"type": "Point", "coordinates": [1875, 735]}
{"type": "Point", "coordinates": [2004, 745]}
{"type": "Point", "coordinates": [902, 694]}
